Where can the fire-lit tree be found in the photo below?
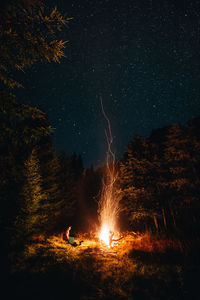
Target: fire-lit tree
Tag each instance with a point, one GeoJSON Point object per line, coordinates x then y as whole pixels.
{"type": "Point", "coordinates": [138, 185]}
{"type": "Point", "coordinates": [182, 158]}
{"type": "Point", "coordinates": [59, 186]}
{"type": "Point", "coordinates": [33, 199]}
{"type": "Point", "coordinates": [22, 127]}
{"type": "Point", "coordinates": [27, 35]}
{"type": "Point", "coordinates": [159, 178]}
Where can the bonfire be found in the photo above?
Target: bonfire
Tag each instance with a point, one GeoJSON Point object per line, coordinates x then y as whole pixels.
{"type": "Point", "coordinates": [109, 201]}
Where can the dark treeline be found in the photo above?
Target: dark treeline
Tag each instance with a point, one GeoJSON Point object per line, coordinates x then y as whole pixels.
{"type": "Point", "coordinates": [158, 183]}
{"type": "Point", "coordinates": [159, 180]}
{"type": "Point", "coordinates": [38, 187]}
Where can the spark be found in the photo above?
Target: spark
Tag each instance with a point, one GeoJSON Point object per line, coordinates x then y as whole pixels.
{"type": "Point", "coordinates": [108, 206]}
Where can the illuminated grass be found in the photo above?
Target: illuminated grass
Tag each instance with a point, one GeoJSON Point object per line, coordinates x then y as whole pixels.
{"type": "Point", "coordinates": [129, 242]}
{"type": "Point", "coordinates": [141, 262]}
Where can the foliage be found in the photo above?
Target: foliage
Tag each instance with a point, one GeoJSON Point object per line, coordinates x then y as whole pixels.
{"type": "Point", "coordinates": [28, 35]}
{"type": "Point", "coordinates": [68, 180]}
{"type": "Point", "coordinates": [159, 182]}
{"type": "Point", "coordinates": [59, 185]}
{"type": "Point", "coordinates": [22, 128]}
{"type": "Point", "coordinates": [137, 185]}
{"type": "Point", "coordinates": [32, 215]}
{"type": "Point", "coordinates": [88, 195]}
{"type": "Point", "coordinates": [21, 124]}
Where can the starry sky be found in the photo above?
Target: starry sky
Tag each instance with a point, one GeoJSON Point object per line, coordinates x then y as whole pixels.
{"type": "Point", "coordinates": [142, 57]}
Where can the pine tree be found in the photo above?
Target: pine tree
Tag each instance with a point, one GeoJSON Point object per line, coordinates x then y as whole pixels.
{"type": "Point", "coordinates": [137, 182]}
{"type": "Point", "coordinates": [22, 127]}
{"type": "Point", "coordinates": [182, 158]}
{"type": "Point", "coordinates": [27, 35]}
{"type": "Point", "coordinates": [32, 215]}
{"type": "Point", "coordinates": [68, 187]}
{"type": "Point", "coordinates": [50, 169]}
{"type": "Point", "coordinates": [159, 178]}
{"type": "Point", "coordinates": [77, 166]}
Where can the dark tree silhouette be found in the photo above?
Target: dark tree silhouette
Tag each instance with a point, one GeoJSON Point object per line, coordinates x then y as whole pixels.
{"type": "Point", "coordinates": [33, 214]}
{"type": "Point", "coordinates": [22, 128]}
{"type": "Point", "coordinates": [159, 178]}
{"type": "Point", "coordinates": [28, 35]}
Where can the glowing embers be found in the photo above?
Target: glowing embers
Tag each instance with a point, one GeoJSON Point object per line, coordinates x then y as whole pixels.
{"type": "Point", "coordinates": [105, 235]}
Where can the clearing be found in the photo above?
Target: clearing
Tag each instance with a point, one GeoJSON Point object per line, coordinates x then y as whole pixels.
{"type": "Point", "coordinates": [140, 267]}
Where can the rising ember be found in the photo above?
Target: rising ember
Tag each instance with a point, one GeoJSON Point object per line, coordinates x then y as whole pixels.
{"type": "Point", "coordinates": [109, 201]}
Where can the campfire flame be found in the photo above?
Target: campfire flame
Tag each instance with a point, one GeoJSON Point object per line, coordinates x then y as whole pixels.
{"type": "Point", "coordinates": [109, 202]}
{"type": "Point", "coordinates": [104, 234]}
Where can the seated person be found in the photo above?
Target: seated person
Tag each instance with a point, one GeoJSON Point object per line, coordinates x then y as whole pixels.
{"type": "Point", "coordinates": [70, 239]}
{"type": "Point", "coordinates": [66, 236]}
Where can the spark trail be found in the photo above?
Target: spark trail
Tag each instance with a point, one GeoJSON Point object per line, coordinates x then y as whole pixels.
{"type": "Point", "coordinates": [108, 206]}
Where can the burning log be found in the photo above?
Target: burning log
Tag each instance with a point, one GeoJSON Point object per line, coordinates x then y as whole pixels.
{"type": "Point", "coordinates": [108, 238]}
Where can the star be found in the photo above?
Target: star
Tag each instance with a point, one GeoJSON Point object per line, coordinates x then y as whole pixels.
{"type": "Point", "coordinates": [143, 61]}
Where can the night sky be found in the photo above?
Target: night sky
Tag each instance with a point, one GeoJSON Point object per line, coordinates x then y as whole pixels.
{"type": "Point", "coordinates": [142, 57]}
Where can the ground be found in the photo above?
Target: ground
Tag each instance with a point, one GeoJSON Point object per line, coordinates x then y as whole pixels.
{"type": "Point", "coordinates": [142, 266]}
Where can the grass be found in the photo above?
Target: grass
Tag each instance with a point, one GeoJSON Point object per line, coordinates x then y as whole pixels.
{"type": "Point", "coordinates": [143, 266]}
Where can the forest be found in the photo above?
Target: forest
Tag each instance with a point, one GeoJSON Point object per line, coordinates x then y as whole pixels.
{"type": "Point", "coordinates": [43, 192]}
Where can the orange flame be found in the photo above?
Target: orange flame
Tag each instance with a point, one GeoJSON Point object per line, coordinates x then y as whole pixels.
{"type": "Point", "coordinates": [108, 206]}
{"type": "Point", "coordinates": [104, 234]}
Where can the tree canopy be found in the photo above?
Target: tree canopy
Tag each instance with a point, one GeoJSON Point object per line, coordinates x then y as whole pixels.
{"type": "Point", "coordinates": [28, 35]}
{"type": "Point", "coordinates": [159, 180]}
